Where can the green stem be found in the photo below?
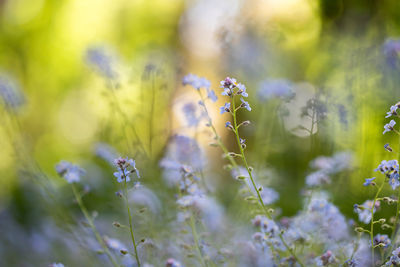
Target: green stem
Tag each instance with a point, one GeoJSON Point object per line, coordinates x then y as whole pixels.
{"type": "Point", "coordinates": [92, 226]}
{"type": "Point", "coordinates": [371, 232]}
{"type": "Point", "coordinates": [196, 240]}
{"type": "Point", "coordinates": [252, 180]}
{"type": "Point", "coordinates": [217, 137]}
{"type": "Point", "coordinates": [130, 221]}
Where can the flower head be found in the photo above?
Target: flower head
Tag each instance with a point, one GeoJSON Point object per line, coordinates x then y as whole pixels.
{"type": "Point", "coordinates": [196, 81]}
{"type": "Point", "coordinates": [393, 111]}
{"type": "Point", "coordinates": [10, 93]}
{"type": "Point", "coordinates": [382, 240]}
{"type": "Point", "coordinates": [245, 104]}
{"type": "Point", "coordinates": [368, 181]}
{"type": "Point", "coordinates": [211, 95]}
{"type": "Point", "coordinates": [125, 168]}
{"type": "Point", "coordinates": [225, 108]}
{"type": "Point", "coordinates": [71, 173]}
{"type": "Point", "coordinates": [242, 90]}
{"type": "Point", "coordinates": [389, 126]}
{"type": "Point", "coordinates": [102, 62]}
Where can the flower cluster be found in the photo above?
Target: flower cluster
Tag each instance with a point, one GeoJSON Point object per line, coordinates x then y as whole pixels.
{"type": "Point", "coordinates": [126, 167]}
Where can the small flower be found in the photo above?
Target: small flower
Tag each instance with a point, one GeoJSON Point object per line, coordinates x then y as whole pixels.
{"type": "Point", "coordinates": [229, 125]}
{"type": "Point", "coordinates": [395, 258]}
{"type": "Point", "coordinates": [225, 108]}
{"type": "Point", "coordinates": [101, 61]}
{"type": "Point", "coordinates": [56, 265]}
{"type": "Point", "coordinates": [389, 126]}
{"type": "Point", "coordinates": [382, 240]}
{"type": "Point", "coordinates": [242, 142]}
{"type": "Point", "coordinates": [191, 116]}
{"type": "Point", "coordinates": [364, 210]}
{"type": "Point", "coordinates": [172, 263]}
{"type": "Point", "coordinates": [245, 104]}
{"type": "Point", "coordinates": [71, 173]}
{"type": "Point", "coordinates": [211, 95]}
{"type": "Point", "coordinates": [125, 168]}
{"type": "Point", "coordinates": [10, 93]}
{"type": "Point", "coordinates": [388, 148]}
{"type": "Point", "coordinates": [368, 181]}
{"type": "Point", "coordinates": [325, 259]}
{"type": "Point", "coordinates": [393, 111]}
{"type": "Point", "coordinates": [242, 90]}
{"type": "Point", "coordinates": [196, 82]}
{"type": "Point", "coordinates": [228, 83]}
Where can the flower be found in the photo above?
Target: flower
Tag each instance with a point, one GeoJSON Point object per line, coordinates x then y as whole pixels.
{"type": "Point", "coordinates": [388, 148]}
{"type": "Point", "coordinates": [395, 258]}
{"type": "Point", "coordinates": [242, 90]}
{"type": "Point", "coordinates": [245, 104]}
{"type": "Point", "coordinates": [364, 210]}
{"type": "Point", "coordinates": [172, 263]}
{"type": "Point", "coordinates": [196, 81]}
{"type": "Point", "coordinates": [389, 126]}
{"type": "Point", "coordinates": [225, 108]}
{"type": "Point", "coordinates": [382, 240]}
{"type": "Point", "coordinates": [393, 111]}
{"type": "Point", "coordinates": [10, 93]}
{"type": "Point", "coordinates": [211, 95]}
{"type": "Point", "coordinates": [101, 61]}
{"type": "Point", "coordinates": [56, 265]}
{"type": "Point", "coordinates": [276, 88]}
{"type": "Point", "coordinates": [391, 49]}
{"type": "Point", "coordinates": [368, 181]}
{"type": "Point", "coordinates": [325, 259]}
{"type": "Point", "coordinates": [391, 170]}
{"type": "Point", "coordinates": [71, 173]}
{"type": "Point", "coordinates": [190, 112]}
{"type": "Point", "coordinates": [125, 168]}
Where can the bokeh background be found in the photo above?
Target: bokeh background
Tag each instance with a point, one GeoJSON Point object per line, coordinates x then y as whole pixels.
{"type": "Point", "coordinates": [345, 53]}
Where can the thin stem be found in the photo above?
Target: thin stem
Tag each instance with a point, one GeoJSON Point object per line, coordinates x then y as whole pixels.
{"type": "Point", "coordinates": [196, 240]}
{"type": "Point", "coordinates": [252, 179]}
{"type": "Point", "coordinates": [92, 226]}
{"type": "Point", "coordinates": [371, 232]}
{"type": "Point", "coordinates": [217, 137]}
{"type": "Point", "coordinates": [130, 221]}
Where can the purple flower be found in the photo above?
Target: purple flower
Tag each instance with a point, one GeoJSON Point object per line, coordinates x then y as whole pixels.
{"type": "Point", "coordinates": [211, 95]}
{"type": "Point", "coordinates": [71, 173]}
{"type": "Point", "coordinates": [225, 108]}
{"type": "Point", "coordinates": [101, 61]}
{"type": "Point", "coordinates": [368, 181]}
{"type": "Point", "coordinates": [382, 240]}
{"type": "Point", "coordinates": [389, 126]}
{"type": "Point", "coordinates": [276, 88]}
{"type": "Point", "coordinates": [242, 90]}
{"type": "Point", "coordinates": [172, 263]}
{"type": "Point", "coordinates": [10, 93]}
{"type": "Point", "coordinates": [391, 49]}
{"type": "Point", "coordinates": [393, 111]}
{"type": "Point", "coordinates": [388, 148]}
{"type": "Point", "coordinates": [245, 104]}
{"type": "Point", "coordinates": [125, 168]}
{"type": "Point", "coordinates": [196, 81]}
{"type": "Point", "coordinates": [190, 110]}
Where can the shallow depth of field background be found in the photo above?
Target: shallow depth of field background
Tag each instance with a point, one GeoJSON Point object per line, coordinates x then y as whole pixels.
{"type": "Point", "coordinates": [331, 47]}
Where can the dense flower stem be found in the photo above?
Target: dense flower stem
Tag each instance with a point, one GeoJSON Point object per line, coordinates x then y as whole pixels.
{"type": "Point", "coordinates": [235, 127]}
{"type": "Point", "coordinates": [92, 226]}
{"type": "Point", "coordinates": [130, 221]}
{"type": "Point", "coordinates": [371, 231]}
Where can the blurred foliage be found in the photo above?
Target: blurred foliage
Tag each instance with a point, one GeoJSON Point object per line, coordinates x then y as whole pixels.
{"type": "Point", "coordinates": [333, 47]}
